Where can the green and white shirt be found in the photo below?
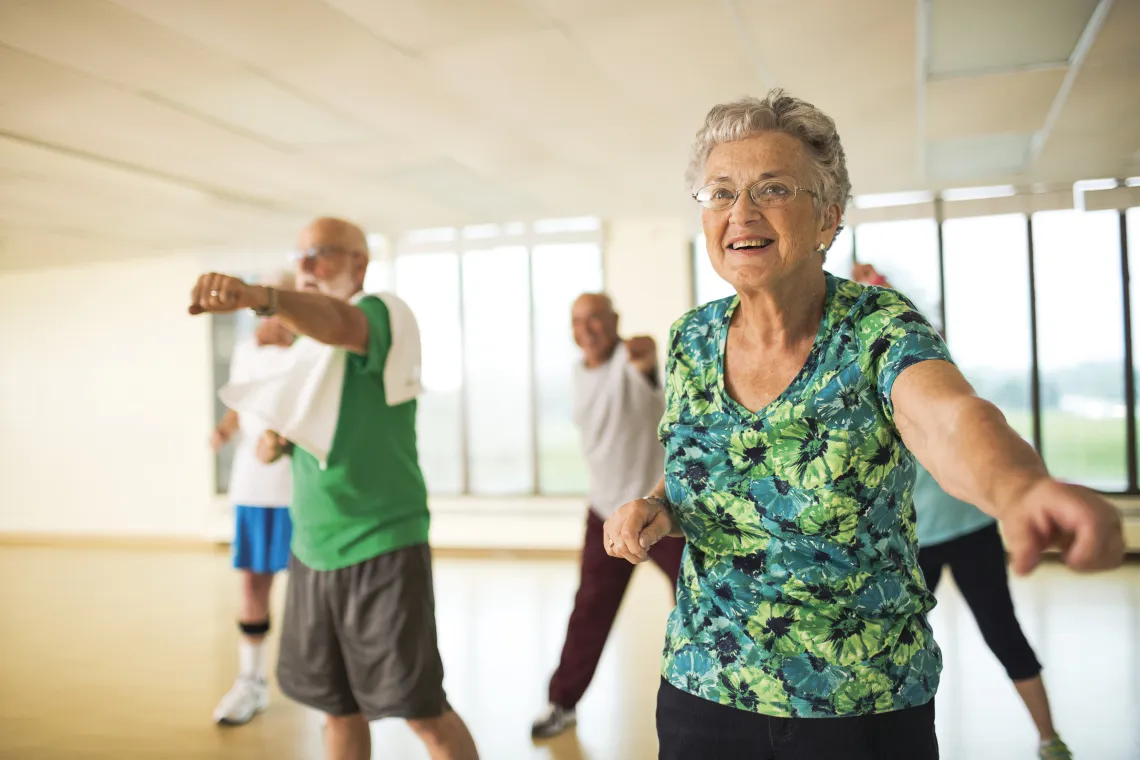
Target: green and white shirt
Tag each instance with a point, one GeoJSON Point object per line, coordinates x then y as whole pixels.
{"type": "Point", "coordinates": [370, 498]}
{"type": "Point", "coordinates": [800, 593]}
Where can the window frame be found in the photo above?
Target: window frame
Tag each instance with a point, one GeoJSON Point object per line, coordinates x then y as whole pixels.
{"type": "Point", "coordinates": [460, 244]}
{"type": "Point", "coordinates": [1122, 197]}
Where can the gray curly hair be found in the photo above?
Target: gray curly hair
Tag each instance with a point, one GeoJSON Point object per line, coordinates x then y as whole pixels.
{"type": "Point", "coordinates": [779, 112]}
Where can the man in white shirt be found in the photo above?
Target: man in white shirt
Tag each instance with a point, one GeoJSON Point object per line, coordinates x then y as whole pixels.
{"type": "Point", "coordinates": [260, 494]}
{"type": "Point", "coordinates": [618, 403]}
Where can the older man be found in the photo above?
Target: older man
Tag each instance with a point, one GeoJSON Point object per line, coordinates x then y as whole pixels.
{"type": "Point", "coordinates": [618, 404]}
{"type": "Point", "coordinates": [359, 638]}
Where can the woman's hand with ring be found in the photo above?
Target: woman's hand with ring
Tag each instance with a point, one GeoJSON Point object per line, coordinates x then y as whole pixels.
{"type": "Point", "coordinates": [635, 528]}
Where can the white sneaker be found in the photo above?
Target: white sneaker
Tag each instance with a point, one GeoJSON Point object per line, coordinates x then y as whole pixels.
{"type": "Point", "coordinates": [247, 698]}
{"type": "Point", "coordinates": [553, 721]}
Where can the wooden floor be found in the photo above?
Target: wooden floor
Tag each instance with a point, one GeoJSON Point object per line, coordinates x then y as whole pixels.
{"type": "Point", "coordinates": [123, 654]}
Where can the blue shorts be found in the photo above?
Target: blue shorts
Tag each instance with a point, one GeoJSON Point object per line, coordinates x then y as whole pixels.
{"type": "Point", "coordinates": [262, 538]}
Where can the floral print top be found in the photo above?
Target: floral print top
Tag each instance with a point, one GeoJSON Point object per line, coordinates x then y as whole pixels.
{"type": "Point", "coordinates": [800, 593]}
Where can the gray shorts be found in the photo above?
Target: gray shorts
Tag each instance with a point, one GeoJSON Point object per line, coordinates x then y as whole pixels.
{"type": "Point", "coordinates": [362, 639]}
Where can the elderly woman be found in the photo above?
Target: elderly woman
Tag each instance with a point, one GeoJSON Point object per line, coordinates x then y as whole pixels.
{"type": "Point", "coordinates": [794, 414]}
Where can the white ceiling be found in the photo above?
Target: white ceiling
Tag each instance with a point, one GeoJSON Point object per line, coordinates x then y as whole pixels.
{"type": "Point", "coordinates": [138, 127]}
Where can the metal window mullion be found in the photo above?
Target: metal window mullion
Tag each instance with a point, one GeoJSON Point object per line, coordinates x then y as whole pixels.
{"type": "Point", "coordinates": [535, 464]}
{"type": "Point", "coordinates": [1034, 358]}
{"type": "Point", "coordinates": [1129, 369]}
{"type": "Point", "coordinates": [938, 219]}
{"type": "Point", "coordinates": [464, 401]}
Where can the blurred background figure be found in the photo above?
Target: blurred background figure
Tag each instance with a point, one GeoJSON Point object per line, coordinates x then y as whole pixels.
{"type": "Point", "coordinates": [260, 494]}
{"type": "Point", "coordinates": [957, 535]}
{"type": "Point", "coordinates": [618, 403]}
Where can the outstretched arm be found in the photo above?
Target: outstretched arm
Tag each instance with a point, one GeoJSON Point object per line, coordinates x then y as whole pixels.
{"type": "Point", "coordinates": [323, 318]}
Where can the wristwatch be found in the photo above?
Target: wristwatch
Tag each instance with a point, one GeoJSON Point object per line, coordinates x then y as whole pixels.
{"type": "Point", "coordinates": [270, 307]}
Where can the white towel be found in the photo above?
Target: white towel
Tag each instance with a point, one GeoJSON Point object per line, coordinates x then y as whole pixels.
{"type": "Point", "coordinates": [303, 403]}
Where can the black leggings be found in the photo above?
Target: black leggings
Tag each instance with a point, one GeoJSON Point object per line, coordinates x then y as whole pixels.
{"type": "Point", "coordinates": [977, 561]}
{"type": "Point", "coordinates": [691, 728]}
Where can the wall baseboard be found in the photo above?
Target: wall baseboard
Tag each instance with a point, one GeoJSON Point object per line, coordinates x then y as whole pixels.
{"type": "Point", "coordinates": [108, 541]}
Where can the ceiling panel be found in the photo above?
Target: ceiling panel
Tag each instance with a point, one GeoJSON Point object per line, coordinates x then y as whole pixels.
{"type": "Point", "coordinates": [1119, 38]}
{"type": "Point", "coordinates": [109, 42]}
{"type": "Point", "coordinates": [427, 24]}
{"type": "Point", "coordinates": [991, 105]}
{"type": "Point", "coordinates": [252, 103]}
{"type": "Point", "coordinates": [970, 158]}
{"type": "Point", "coordinates": [571, 11]}
{"type": "Point", "coordinates": [666, 67]}
{"type": "Point", "coordinates": [974, 35]}
{"type": "Point", "coordinates": [546, 91]}
{"type": "Point", "coordinates": [224, 124]}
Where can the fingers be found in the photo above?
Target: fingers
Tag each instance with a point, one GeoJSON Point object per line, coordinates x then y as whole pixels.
{"type": "Point", "coordinates": [622, 531]}
{"type": "Point", "coordinates": [1095, 544]}
{"type": "Point", "coordinates": [216, 293]}
{"type": "Point", "coordinates": [659, 527]}
{"type": "Point", "coordinates": [196, 294]}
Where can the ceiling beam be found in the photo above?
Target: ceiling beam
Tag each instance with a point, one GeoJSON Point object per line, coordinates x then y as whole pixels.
{"type": "Point", "coordinates": [1076, 61]}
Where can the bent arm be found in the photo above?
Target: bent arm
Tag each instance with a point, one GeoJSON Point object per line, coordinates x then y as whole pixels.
{"type": "Point", "coordinates": [963, 440]}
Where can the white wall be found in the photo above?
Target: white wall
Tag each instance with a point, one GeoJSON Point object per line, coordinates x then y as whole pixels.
{"type": "Point", "coordinates": [106, 398]}
{"type": "Point", "coordinates": [649, 273]}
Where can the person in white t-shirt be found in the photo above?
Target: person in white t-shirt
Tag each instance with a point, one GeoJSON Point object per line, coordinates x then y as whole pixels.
{"type": "Point", "coordinates": [618, 403]}
{"type": "Point", "coordinates": [260, 494]}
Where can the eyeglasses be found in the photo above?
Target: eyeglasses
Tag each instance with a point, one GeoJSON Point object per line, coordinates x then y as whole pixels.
{"type": "Point", "coordinates": [767, 193]}
{"type": "Point", "coordinates": [319, 253]}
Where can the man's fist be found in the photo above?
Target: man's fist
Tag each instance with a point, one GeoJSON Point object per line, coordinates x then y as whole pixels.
{"type": "Point", "coordinates": [219, 293]}
{"type": "Point", "coordinates": [271, 447]}
{"type": "Point", "coordinates": [642, 352]}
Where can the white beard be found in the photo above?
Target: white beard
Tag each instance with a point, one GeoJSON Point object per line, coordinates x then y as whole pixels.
{"type": "Point", "coordinates": [343, 287]}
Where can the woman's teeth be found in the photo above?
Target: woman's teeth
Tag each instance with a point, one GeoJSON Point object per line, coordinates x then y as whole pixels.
{"type": "Point", "coordinates": [754, 243]}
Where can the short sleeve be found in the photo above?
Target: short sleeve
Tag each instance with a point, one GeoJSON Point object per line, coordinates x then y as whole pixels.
{"type": "Point", "coordinates": [896, 337]}
{"type": "Point", "coordinates": [379, 337]}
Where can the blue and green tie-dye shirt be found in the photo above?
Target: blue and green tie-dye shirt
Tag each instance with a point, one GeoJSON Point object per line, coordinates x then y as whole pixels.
{"type": "Point", "coordinates": [800, 593]}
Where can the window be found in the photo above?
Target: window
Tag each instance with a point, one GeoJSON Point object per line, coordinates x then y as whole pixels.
{"type": "Point", "coordinates": [708, 285]}
{"type": "Point", "coordinates": [559, 274]}
{"type": "Point", "coordinates": [429, 283]}
{"type": "Point", "coordinates": [1132, 219]}
{"type": "Point", "coordinates": [497, 370]}
{"type": "Point", "coordinates": [906, 253]}
{"type": "Point", "coordinates": [493, 302]}
{"type": "Point", "coordinates": [987, 311]}
{"type": "Point", "coordinates": [1080, 318]}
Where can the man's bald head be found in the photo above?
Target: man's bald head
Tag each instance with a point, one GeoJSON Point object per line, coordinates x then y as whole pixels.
{"type": "Point", "coordinates": [595, 327]}
{"type": "Point", "coordinates": [333, 257]}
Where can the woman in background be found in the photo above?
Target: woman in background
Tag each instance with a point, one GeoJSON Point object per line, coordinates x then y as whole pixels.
{"type": "Point", "coordinates": [959, 535]}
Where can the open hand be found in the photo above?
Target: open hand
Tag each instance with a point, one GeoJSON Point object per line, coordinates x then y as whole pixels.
{"type": "Point", "coordinates": [630, 532]}
{"type": "Point", "coordinates": [1084, 525]}
{"type": "Point", "coordinates": [220, 293]}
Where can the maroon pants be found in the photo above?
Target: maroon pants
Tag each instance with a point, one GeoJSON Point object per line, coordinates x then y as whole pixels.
{"type": "Point", "coordinates": [604, 579]}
